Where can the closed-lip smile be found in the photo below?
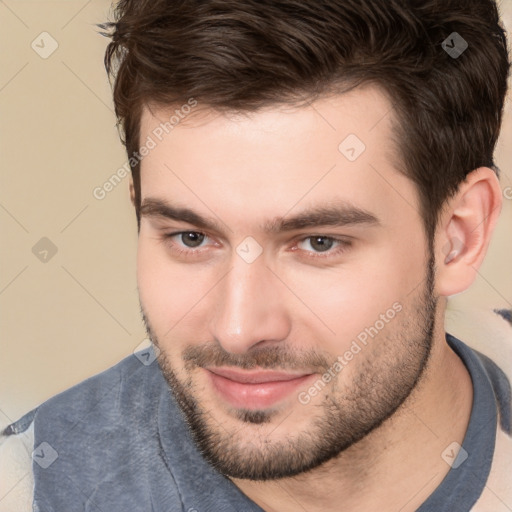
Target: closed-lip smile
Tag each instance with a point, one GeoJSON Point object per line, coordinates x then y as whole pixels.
{"type": "Point", "coordinates": [254, 389]}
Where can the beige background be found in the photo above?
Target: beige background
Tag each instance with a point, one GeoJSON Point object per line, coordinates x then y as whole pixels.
{"type": "Point", "coordinates": [77, 313]}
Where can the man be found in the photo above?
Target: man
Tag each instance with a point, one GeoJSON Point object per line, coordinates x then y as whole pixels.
{"type": "Point", "coordinates": [311, 182]}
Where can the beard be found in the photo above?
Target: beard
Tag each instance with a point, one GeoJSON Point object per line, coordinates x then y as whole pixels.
{"type": "Point", "coordinates": [382, 379]}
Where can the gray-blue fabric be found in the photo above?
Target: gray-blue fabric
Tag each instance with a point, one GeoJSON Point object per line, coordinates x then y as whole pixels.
{"type": "Point", "coordinates": [122, 445]}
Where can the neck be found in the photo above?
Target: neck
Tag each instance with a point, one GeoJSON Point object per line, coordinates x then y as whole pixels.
{"type": "Point", "coordinates": [398, 465]}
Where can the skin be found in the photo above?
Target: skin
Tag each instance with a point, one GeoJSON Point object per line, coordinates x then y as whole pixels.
{"type": "Point", "coordinates": [406, 395]}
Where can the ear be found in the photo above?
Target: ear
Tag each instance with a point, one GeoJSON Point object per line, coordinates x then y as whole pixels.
{"type": "Point", "coordinates": [464, 230]}
{"type": "Point", "coordinates": [132, 192]}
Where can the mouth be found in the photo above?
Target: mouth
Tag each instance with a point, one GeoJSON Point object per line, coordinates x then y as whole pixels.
{"type": "Point", "coordinates": [257, 389]}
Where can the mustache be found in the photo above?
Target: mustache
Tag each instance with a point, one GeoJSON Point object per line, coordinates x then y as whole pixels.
{"type": "Point", "coordinates": [276, 357]}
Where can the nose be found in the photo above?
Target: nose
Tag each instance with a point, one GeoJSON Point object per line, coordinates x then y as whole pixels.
{"type": "Point", "coordinates": [250, 307]}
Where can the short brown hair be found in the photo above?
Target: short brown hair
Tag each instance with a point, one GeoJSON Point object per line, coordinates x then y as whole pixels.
{"type": "Point", "coordinates": [241, 55]}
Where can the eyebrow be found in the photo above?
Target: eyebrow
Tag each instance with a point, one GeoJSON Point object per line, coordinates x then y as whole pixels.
{"type": "Point", "coordinates": [339, 215]}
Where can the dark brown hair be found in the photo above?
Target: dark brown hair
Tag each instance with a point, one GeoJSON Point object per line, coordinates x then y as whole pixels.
{"type": "Point", "coordinates": [241, 55]}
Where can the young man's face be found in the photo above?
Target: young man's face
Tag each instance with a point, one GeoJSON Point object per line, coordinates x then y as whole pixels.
{"type": "Point", "coordinates": [284, 346]}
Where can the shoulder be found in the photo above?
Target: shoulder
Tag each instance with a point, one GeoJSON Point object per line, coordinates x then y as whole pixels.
{"type": "Point", "coordinates": [95, 398]}
{"type": "Point", "coordinates": [100, 397]}
{"type": "Point", "coordinates": [489, 334]}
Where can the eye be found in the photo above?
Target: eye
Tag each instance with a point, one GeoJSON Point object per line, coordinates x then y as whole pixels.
{"type": "Point", "coordinates": [320, 243]}
{"type": "Point", "coordinates": [191, 244]}
{"type": "Point", "coordinates": [323, 244]}
{"type": "Point", "coordinates": [190, 239]}
{"type": "Point", "coordinates": [185, 243]}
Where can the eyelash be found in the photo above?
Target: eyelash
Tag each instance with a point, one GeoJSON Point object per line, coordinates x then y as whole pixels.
{"type": "Point", "coordinates": [342, 247]}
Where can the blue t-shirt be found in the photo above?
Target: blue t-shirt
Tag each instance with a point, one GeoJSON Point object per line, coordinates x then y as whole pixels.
{"type": "Point", "coordinates": [117, 442]}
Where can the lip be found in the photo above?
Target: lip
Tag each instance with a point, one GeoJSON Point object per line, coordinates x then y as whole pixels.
{"type": "Point", "coordinates": [256, 389]}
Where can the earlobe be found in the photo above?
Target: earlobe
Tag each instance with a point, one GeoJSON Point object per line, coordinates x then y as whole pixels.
{"type": "Point", "coordinates": [465, 229]}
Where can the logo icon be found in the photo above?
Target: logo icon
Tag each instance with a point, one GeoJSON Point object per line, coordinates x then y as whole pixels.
{"type": "Point", "coordinates": [146, 352]}
{"type": "Point", "coordinates": [44, 250]}
{"type": "Point", "coordinates": [351, 147]}
{"type": "Point", "coordinates": [454, 455]}
{"type": "Point", "coordinates": [45, 455]}
{"type": "Point", "coordinates": [454, 45]}
{"type": "Point", "coordinates": [44, 45]}
{"type": "Point", "coordinates": [249, 249]}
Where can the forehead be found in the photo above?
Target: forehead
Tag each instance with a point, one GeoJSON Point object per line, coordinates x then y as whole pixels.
{"type": "Point", "coordinates": [267, 163]}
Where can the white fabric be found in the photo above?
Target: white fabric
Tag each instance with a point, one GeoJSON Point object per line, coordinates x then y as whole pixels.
{"type": "Point", "coordinates": [16, 480]}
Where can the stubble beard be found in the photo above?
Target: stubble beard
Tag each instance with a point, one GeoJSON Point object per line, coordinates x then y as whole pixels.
{"type": "Point", "coordinates": [348, 412]}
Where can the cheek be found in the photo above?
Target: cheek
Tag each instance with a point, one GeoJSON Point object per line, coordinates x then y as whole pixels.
{"type": "Point", "coordinates": [340, 304]}
{"type": "Point", "coordinates": [168, 291]}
